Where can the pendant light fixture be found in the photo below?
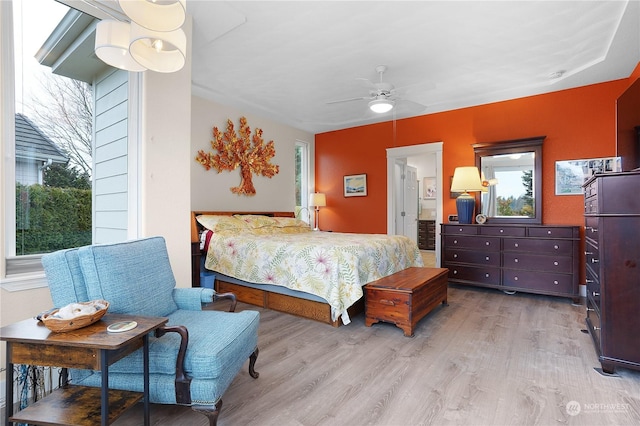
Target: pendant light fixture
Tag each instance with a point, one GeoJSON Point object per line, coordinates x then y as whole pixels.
{"type": "Point", "coordinates": [158, 51]}
{"type": "Point", "coordinates": [156, 15]}
{"type": "Point", "coordinates": [153, 40]}
{"type": "Point", "coordinates": [112, 45]}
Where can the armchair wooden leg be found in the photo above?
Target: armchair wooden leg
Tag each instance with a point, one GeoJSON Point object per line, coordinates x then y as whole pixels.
{"type": "Point", "coordinates": [211, 411]}
{"type": "Point", "coordinates": [252, 364]}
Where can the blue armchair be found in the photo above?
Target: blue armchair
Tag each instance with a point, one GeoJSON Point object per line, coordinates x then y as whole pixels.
{"type": "Point", "coordinates": [194, 359]}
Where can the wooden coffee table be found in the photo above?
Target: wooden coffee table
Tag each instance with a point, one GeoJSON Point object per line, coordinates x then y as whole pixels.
{"type": "Point", "coordinates": [29, 342]}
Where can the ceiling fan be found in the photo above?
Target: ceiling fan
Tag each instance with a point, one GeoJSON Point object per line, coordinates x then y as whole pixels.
{"type": "Point", "coordinates": [382, 96]}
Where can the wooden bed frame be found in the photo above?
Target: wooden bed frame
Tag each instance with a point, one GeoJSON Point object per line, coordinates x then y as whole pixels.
{"type": "Point", "coordinates": [301, 307]}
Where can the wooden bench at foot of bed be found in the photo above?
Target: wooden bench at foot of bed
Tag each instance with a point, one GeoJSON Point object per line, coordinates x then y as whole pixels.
{"type": "Point", "coordinates": [304, 308]}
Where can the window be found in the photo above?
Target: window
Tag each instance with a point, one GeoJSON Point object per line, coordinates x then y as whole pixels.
{"type": "Point", "coordinates": [47, 142]}
{"type": "Point", "coordinates": [302, 181]}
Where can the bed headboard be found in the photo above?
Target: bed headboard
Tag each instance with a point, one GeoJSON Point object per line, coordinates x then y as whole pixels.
{"type": "Point", "coordinates": [195, 235]}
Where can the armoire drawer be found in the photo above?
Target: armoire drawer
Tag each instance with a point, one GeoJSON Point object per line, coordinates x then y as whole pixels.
{"type": "Point", "coordinates": [540, 281]}
{"type": "Point", "coordinates": [534, 262]}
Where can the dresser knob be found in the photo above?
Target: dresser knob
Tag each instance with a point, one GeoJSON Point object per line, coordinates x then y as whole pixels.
{"type": "Point", "coordinates": [459, 229]}
{"type": "Point", "coordinates": [549, 232]}
{"type": "Point", "coordinates": [455, 241]}
{"type": "Point", "coordinates": [555, 263]}
{"type": "Point", "coordinates": [590, 310]}
{"type": "Point", "coordinates": [589, 281]}
{"type": "Point", "coordinates": [587, 253]}
{"type": "Point", "coordinates": [555, 282]}
{"type": "Point", "coordinates": [595, 294]}
{"type": "Point", "coordinates": [596, 328]}
{"type": "Point", "coordinates": [487, 243]}
{"type": "Point", "coordinates": [556, 247]}
{"type": "Point", "coordinates": [455, 271]}
{"type": "Point", "coordinates": [515, 244]}
{"type": "Point", "coordinates": [594, 260]}
{"type": "Point", "coordinates": [455, 255]}
{"type": "Point", "coordinates": [501, 231]}
{"type": "Point", "coordinates": [486, 258]}
{"type": "Point", "coordinates": [486, 275]}
{"type": "Point", "coordinates": [515, 260]}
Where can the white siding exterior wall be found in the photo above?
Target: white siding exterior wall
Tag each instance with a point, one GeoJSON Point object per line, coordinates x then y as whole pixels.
{"type": "Point", "coordinates": [110, 181]}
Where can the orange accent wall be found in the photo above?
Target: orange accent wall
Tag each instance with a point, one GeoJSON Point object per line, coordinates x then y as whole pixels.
{"type": "Point", "coordinates": [578, 123]}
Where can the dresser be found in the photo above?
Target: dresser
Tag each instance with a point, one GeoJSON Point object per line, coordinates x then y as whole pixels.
{"type": "Point", "coordinates": [542, 259]}
{"type": "Point", "coordinates": [612, 251]}
{"type": "Point", "coordinates": [427, 234]}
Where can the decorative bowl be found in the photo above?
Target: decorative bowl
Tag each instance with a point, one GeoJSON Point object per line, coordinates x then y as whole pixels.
{"type": "Point", "coordinates": [88, 313]}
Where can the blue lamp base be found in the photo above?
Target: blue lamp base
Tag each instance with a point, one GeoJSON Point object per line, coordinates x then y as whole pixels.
{"type": "Point", "coordinates": [466, 205]}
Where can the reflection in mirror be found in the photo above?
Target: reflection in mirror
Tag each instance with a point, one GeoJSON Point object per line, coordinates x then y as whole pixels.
{"type": "Point", "coordinates": [511, 174]}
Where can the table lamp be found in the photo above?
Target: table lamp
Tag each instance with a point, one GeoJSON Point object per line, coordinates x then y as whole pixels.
{"type": "Point", "coordinates": [317, 200]}
{"type": "Point", "coordinates": [465, 180]}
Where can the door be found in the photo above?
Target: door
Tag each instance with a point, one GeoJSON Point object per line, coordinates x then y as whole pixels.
{"type": "Point", "coordinates": [411, 203]}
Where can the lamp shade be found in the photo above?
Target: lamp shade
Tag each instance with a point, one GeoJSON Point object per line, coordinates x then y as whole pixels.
{"type": "Point", "coordinates": [466, 179]}
{"type": "Point", "coordinates": [112, 45]}
{"type": "Point", "coordinates": [156, 15]}
{"type": "Point", "coordinates": [381, 105]}
{"type": "Point", "coordinates": [158, 51]}
{"type": "Point", "coordinates": [317, 199]}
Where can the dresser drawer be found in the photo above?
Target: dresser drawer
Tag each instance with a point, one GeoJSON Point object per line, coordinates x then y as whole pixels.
{"type": "Point", "coordinates": [472, 256]}
{"type": "Point", "coordinates": [541, 281]}
{"type": "Point", "coordinates": [479, 243]}
{"type": "Point", "coordinates": [594, 322]}
{"type": "Point", "coordinates": [485, 275]}
{"type": "Point", "coordinates": [551, 232]}
{"type": "Point", "coordinates": [536, 262]}
{"type": "Point", "coordinates": [591, 205]}
{"type": "Point", "coordinates": [591, 228]}
{"type": "Point", "coordinates": [458, 229]}
{"type": "Point", "coordinates": [537, 245]}
{"type": "Point", "coordinates": [503, 231]}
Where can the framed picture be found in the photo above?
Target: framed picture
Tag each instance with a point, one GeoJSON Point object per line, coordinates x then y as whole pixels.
{"type": "Point", "coordinates": [355, 185]}
{"type": "Point", "coordinates": [451, 193]}
{"type": "Point", "coordinates": [429, 188]}
{"type": "Point", "coordinates": [571, 174]}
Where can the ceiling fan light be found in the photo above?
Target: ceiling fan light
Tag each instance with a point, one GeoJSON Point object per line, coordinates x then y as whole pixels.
{"type": "Point", "coordinates": [381, 105]}
{"type": "Point", "coordinates": [112, 45]}
{"type": "Point", "coordinates": [156, 15]}
{"type": "Point", "coordinates": [158, 51]}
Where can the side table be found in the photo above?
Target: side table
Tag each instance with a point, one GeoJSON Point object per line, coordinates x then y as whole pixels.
{"type": "Point", "coordinates": [92, 347]}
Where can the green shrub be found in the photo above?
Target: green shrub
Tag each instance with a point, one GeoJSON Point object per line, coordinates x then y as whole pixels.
{"type": "Point", "coordinates": [50, 219]}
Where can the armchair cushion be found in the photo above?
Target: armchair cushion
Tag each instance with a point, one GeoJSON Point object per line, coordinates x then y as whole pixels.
{"type": "Point", "coordinates": [216, 340]}
{"type": "Point", "coordinates": [141, 268]}
{"type": "Point", "coordinates": [66, 283]}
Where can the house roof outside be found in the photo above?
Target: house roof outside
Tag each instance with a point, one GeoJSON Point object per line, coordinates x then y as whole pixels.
{"type": "Point", "coordinates": [32, 143]}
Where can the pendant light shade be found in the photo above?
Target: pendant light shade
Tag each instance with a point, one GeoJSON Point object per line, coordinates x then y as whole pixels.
{"type": "Point", "coordinates": [156, 15]}
{"type": "Point", "coordinates": [158, 51]}
{"type": "Point", "coordinates": [112, 45]}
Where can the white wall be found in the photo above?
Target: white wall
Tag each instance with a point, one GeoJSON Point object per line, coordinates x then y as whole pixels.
{"type": "Point", "coordinates": [210, 190]}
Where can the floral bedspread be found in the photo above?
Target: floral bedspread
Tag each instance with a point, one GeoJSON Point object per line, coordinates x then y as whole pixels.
{"type": "Point", "coordinates": [331, 265]}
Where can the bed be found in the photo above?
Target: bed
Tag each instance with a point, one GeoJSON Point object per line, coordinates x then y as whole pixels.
{"type": "Point", "coordinates": [274, 260]}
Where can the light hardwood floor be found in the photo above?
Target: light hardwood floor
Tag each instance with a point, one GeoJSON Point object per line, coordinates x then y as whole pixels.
{"type": "Point", "coordinates": [486, 359]}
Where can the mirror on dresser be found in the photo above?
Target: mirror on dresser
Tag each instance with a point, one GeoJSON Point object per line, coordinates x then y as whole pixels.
{"type": "Point", "coordinates": [512, 174]}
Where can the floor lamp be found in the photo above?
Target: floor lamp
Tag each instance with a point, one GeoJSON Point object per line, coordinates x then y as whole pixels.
{"type": "Point", "coordinates": [465, 180]}
{"type": "Point", "coordinates": [317, 200]}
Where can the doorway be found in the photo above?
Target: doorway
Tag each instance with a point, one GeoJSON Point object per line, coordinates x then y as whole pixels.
{"type": "Point", "coordinates": [400, 155]}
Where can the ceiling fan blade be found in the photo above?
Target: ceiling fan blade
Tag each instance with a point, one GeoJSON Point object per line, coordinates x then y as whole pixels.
{"type": "Point", "coordinates": [362, 98]}
{"type": "Point", "coordinates": [411, 106]}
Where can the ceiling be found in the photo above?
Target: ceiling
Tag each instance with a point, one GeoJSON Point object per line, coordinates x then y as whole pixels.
{"type": "Point", "coordinates": [288, 60]}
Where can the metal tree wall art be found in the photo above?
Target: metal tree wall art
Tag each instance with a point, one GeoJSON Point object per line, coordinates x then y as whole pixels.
{"type": "Point", "coordinates": [243, 150]}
